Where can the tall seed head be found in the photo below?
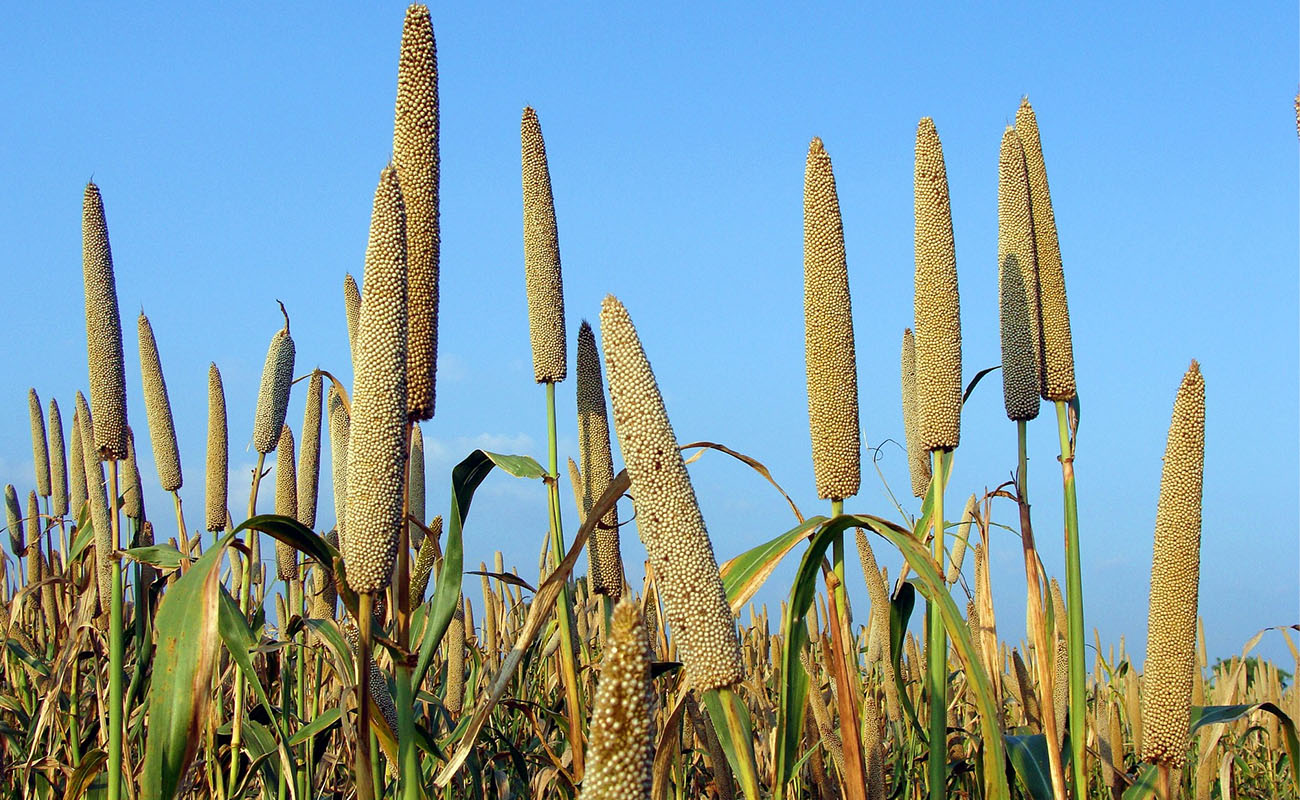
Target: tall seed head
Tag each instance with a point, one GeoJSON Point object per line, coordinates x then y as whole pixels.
{"type": "Point", "coordinates": [78, 494]}
{"type": "Point", "coordinates": [1175, 576]}
{"type": "Point", "coordinates": [668, 515]}
{"type": "Point", "coordinates": [340, 429]}
{"type": "Point", "coordinates": [309, 455]}
{"type": "Point", "coordinates": [455, 695]}
{"type": "Point", "coordinates": [415, 155]}
{"type": "Point", "coordinates": [918, 460]}
{"type": "Point", "coordinates": [828, 335]}
{"type": "Point", "coordinates": [352, 310]}
{"type": "Point", "coordinates": [938, 317]}
{"type": "Point", "coordinates": [103, 332]}
{"type": "Point", "coordinates": [273, 396]}
{"type": "Point", "coordinates": [40, 447]}
{"type": "Point", "coordinates": [158, 409]}
{"type": "Point", "coordinates": [377, 440]}
{"type": "Point", "coordinates": [1017, 284]}
{"type": "Point", "coordinates": [33, 542]}
{"type": "Point", "coordinates": [621, 755]}
{"type": "Point", "coordinates": [132, 499]}
{"type": "Point", "coordinates": [218, 467]}
{"type": "Point", "coordinates": [1056, 349]}
{"type": "Point", "coordinates": [99, 507]}
{"type": "Point", "coordinates": [14, 520]}
{"type": "Point", "coordinates": [542, 258]}
{"type": "Point", "coordinates": [597, 470]}
{"type": "Point", "coordinates": [286, 503]}
{"type": "Point", "coordinates": [962, 539]}
{"type": "Point", "coordinates": [58, 464]}
{"type": "Point", "coordinates": [415, 488]}
{"type": "Point", "coordinates": [424, 560]}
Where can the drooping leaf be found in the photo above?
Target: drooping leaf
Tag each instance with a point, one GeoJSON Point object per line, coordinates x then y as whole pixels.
{"type": "Point", "coordinates": [186, 653]}
{"type": "Point", "coordinates": [743, 575]}
{"type": "Point", "coordinates": [293, 533]}
{"type": "Point", "coordinates": [1028, 755]}
{"type": "Point", "coordinates": [162, 556]}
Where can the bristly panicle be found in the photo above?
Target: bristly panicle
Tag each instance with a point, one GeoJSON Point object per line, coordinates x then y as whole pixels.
{"type": "Point", "coordinates": [542, 258]}
{"type": "Point", "coordinates": [103, 332]}
{"type": "Point", "coordinates": [621, 754]}
{"type": "Point", "coordinates": [1018, 309]}
{"type": "Point", "coordinates": [218, 477]}
{"type": "Point", "coordinates": [597, 470]}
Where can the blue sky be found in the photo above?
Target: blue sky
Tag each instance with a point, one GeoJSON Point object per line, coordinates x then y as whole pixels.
{"type": "Point", "coordinates": [237, 151]}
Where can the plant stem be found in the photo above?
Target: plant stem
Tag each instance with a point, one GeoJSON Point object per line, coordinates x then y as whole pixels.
{"type": "Point", "coordinates": [1036, 620]}
{"type": "Point", "coordinates": [408, 766]}
{"type": "Point", "coordinates": [184, 539]}
{"type": "Point", "coordinates": [361, 765]}
{"type": "Point", "coordinates": [115, 661]}
{"type": "Point", "coordinates": [564, 609]}
{"type": "Point", "coordinates": [245, 578]}
{"type": "Point", "coordinates": [1074, 604]}
{"type": "Point", "coordinates": [937, 663]}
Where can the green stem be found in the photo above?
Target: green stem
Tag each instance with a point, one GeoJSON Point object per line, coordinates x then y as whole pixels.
{"type": "Point", "coordinates": [1074, 605]}
{"type": "Point", "coordinates": [245, 578]}
{"type": "Point", "coordinates": [937, 663]}
{"type": "Point", "coordinates": [184, 540]}
{"type": "Point", "coordinates": [361, 766]}
{"type": "Point", "coordinates": [300, 680]}
{"type": "Point", "coordinates": [564, 609]}
{"type": "Point", "coordinates": [409, 769]}
{"type": "Point", "coordinates": [115, 661]}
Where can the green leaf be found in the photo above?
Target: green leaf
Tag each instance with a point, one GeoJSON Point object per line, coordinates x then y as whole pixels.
{"type": "Point", "coordinates": [713, 700]}
{"type": "Point", "coordinates": [743, 575]}
{"type": "Point", "coordinates": [180, 690]}
{"type": "Point", "coordinates": [900, 611]}
{"type": "Point", "coordinates": [324, 722]}
{"type": "Point", "coordinates": [970, 387]}
{"type": "Point", "coordinates": [1145, 785]}
{"type": "Point", "coordinates": [293, 533]}
{"type": "Point", "coordinates": [1028, 755]}
{"type": "Point", "coordinates": [91, 767]}
{"type": "Point", "coordinates": [261, 746]}
{"type": "Point", "coordinates": [162, 556]}
{"type": "Point", "coordinates": [465, 479]}
{"type": "Point", "coordinates": [1210, 715]}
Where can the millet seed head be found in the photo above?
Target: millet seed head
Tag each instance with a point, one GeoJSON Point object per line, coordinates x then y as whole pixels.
{"type": "Point", "coordinates": [14, 519]}
{"type": "Point", "coordinates": [542, 258]}
{"type": "Point", "coordinates": [286, 503]}
{"type": "Point", "coordinates": [309, 454]}
{"type": "Point", "coordinates": [415, 155]}
{"type": "Point", "coordinates": [78, 494]}
{"type": "Point", "coordinates": [1055, 349]}
{"type": "Point", "coordinates": [1018, 308]}
{"type": "Point", "coordinates": [961, 540]}
{"type": "Point", "coordinates": [828, 335]}
{"type": "Point", "coordinates": [620, 754]}
{"type": "Point", "coordinates": [273, 396]}
{"type": "Point", "coordinates": [58, 464]}
{"type": "Point", "coordinates": [668, 515]}
{"type": "Point", "coordinates": [938, 317]}
{"type": "Point", "coordinates": [40, 447]}
{"type": "Point", "coordinates": [424, 560]}
{"type": "Point", "coordinates": [352, 310]}
{"type": "Point", "coordinates": [918, 460]}
{"type": "Point", "coordinates": [103, 332]}
{"type": "Point", "coordinates": [1175, 576]}
{"type": "Point", "coordinates": [377, 438]}
{"type": "Point", "coordinates": [455, 694]}
{"type": "Point", "coordinates": [158, 410]}
{"type": "Point", "coordinates": [340, 428]}
{"type": "Point", "coordinates": [33, 520]}
{"type": "Point", "coordinates": [97, 488]}
{"type": "Point", "coordinates": [218, 476]}
{"type": "Point", "coordinates": [415, 489]}
{"type": "Point", "coordinates": [132, 500]}
{"type": "Point", "coordinates": [597, 469]}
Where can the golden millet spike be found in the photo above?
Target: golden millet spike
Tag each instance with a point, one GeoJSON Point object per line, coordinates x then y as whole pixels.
{"type": "Point", "coordinates": [597, 469]}
{"type": "Point", "coordinates": [415, 156]}
{"type": "Point", "coordinates": [218, 467]}
{"type": "Point", "coordinates": [103, 332]}
{"type": "Point", "coordinates": [455, 693]}
{"type": "Point", "coordinates": [668, 515]}
{"type": "Point", "coordinates": [58, 464]}
{"type": "Point", "coordinates": [40, 447]}
{"type": "Point", "coordinates": [424, 561]}
{"type": "Point", "coordinates": [828, 335]}
{"type": "Point", "coordinates": [878, 592]}
{"type": "Point", "coordinates": [273, 396]}
{"type": "Point", "coordinates": [99, 507]}
{"type": "Point", "coordinates": [542, 258]}
{"type": "Point", "coordinates": [77, 492]}
{"type": "Point", "coordinates": [377, 437]}
{"type": "Point", "coordinates": [918, 460]}
{"type": "Point", "coordinates": [352, 310]}
{"type": "Point", "coordinates": [309, 454]}
{"type": "Point", "coordinates": [415, 488]}
{"type": "Point", "coordinates": [620, 753]}
{"type": "Point", "coordinates": [340, 426]}
{"type": "Point", "coordinates": [286, 503]}
{"type": "Point", "coordinates": [962, 539]}
{"type": "Point", "coordinates": [938, 317]}
{"type": "Point", "coordinates": [1175, 576]}
{"type": "Point", "coordinates": [1018, 309]}
{"type": "Point", "coordinates": [1056, 350]}
{"type": "Point", "coordinates": [132, 499]}
{"type": "Point", "coordinates": [158, 410]}
{"type": "Point", "coordinates": [33, 520]}
{"type": "Point", "coordinates": [14, 519]}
